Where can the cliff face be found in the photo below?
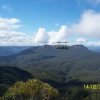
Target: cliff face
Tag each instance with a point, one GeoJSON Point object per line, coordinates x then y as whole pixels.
{"type": "Point", "coordinates": [78, 47]}
{"type": "Point", "coordinates": [53, 47]}
{"type": "Point", "coordinates": [42, 47]}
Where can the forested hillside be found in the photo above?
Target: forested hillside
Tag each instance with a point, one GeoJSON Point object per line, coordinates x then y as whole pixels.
{"type": "Point", "coordinates": [10, 75]}
{"type": "Point", "coordinates": [72, 89]}
{"type": "Point", "coordinates": [77, 61]}
{"type": "Point", "coordinates": [66, 70]}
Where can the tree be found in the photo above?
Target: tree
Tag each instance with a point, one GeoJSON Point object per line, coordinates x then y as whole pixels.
{"type": "Point", "coordinates": [33, 89]}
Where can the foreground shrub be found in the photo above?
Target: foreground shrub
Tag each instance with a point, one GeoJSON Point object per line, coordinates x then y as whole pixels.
{"type": "Point", "coordinates": [33, 89]}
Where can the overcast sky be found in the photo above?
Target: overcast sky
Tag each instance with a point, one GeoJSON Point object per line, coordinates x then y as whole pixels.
{"type": "Point", "coordinates": [30, 22]}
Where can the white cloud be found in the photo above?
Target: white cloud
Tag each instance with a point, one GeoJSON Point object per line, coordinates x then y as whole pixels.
{"type": "Point", "coordinates": [14, 38]}
{"type": "Point", "coordinates": [5, 7]}
{"type": "Point", "coordinates": [9, 37]}
{"type": "Point", "coordinates": [61, 35]}
{"type": "Point", "coordinates": [9, 24]}
{"type": "Point", "coordinates": [88, 26]}
{"type": "Point", "coordinates": [93, 43]}
{"type": "Point", "coordinates": [51, 36]}
{"type": "Point", "coordinates": [81, 40]}
{"type": "Point", "coordinates": [9, 21]}
{"type": "Point", "coordinates": [41, 36]}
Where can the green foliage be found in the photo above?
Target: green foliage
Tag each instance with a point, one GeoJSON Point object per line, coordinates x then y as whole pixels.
{"type": "Point", "coordinates": [48, 74]}
{"type": "Point", "coordinates": [33, 89]}
{"type": "Point", "coordinates": [93, 95]}
{"type": "Point", "coordinates": [9, 75]}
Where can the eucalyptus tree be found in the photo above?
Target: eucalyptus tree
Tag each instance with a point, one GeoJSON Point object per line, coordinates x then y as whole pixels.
{"type": "Point", "coordinates": [33, 89]}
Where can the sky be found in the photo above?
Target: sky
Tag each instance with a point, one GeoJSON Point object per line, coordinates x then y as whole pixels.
{"type": "Point", "coordinates": [35, 22]}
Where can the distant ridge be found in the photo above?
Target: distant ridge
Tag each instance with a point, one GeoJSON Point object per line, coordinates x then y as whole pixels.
{"type": "Point", "coordinates": [43, 47]}
{"type": "Point", "coordinates": [77, 61]}
{"type": "Point", "coordinates": [36, 55]}
{"type": "Point", "coordinates": [78, 47]}
{"type": "Point", "coordinates": [53, 47]}
{"type": "Point", "coordinates": [8, 50]}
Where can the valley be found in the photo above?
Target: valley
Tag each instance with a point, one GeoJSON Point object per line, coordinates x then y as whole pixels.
{"type": "Point", "coordinates": [66, 70]}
